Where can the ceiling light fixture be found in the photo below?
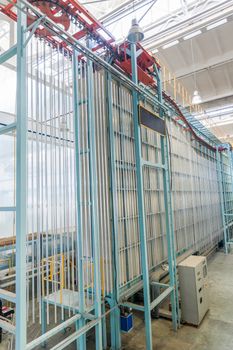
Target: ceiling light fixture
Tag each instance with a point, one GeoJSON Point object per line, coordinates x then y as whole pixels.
{"type": "Point", "coordinates": [196, 96]}
{"type": "Point", "coordinates": [135, 34]}
{"type": "Point", "coordinates": [216, 24]}
{"type": "Point", "coordinates": [172, 43]}
{"type": "Point", "coordinates": [192, 35]}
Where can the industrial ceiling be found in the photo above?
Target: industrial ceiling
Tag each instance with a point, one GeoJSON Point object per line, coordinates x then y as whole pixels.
{"type": "Point", "coordinates": [193, 39]}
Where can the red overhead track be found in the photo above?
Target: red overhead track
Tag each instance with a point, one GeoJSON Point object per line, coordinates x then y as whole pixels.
{"type": "Point", "coordinates": [65, 12]}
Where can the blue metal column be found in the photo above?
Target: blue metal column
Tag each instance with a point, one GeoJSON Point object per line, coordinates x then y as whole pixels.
{"type": "Point", "coordinates": [94, 198]}
{"type": "Point", "coordinates": [81, 342]}
{"type": "Point", "coordinates": [104, 329]}
{"type": "Point", "coordinates": [21, 184]}
{"type": "Point", "coordinates": [115, 314]}
{"type": "Point", "coordinates": [229, 152]}
{"type": "Point", "coordinates": [141, 204]}
{"type": "Point", "coordinates": [219, 171]}
{"type": "Point", "coordinates": [43, 320]}
{"type": "Point", "coordinates": [169, 231]}
{"type": "Point", "coordinates": [228, 213]}
{"type": "Point", "coordinates": [232, 165]}
{"type": "Point", "coordinates": [171, 244]}
{"type": "Point", "coordinates": [169, 215]}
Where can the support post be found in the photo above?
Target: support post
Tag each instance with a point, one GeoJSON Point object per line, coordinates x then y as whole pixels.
{"type": "Point", "coordinates": [141, 204]}
{"type": "Point", "coordinates": [21, 184]}
{"type": "Point", "coordinates": [81, 342]}
{"type": "Point", "coordinates": [169, 215]}
{"type": "Point", "coordinates": [229, 152]}
{"type": "Point", "coordinates": [169, 228]}
{"type": "Point", "coordinates": [43, 320]}
{"type": "Point", "coordinates": [104, 329]}
{"type": "Point", "coordinates": [115, 314]}
{"type": "Point", "coordinates": [94, 198]}
{"type": "Point", "coordinates": [220, 180]}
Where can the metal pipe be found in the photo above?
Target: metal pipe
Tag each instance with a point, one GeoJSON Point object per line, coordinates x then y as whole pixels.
{"type": "Point", "coordinates": [21, 184]}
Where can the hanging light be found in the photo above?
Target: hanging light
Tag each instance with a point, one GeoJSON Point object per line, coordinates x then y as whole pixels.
{"type": "Point", "coordinates": [135, 34]}
{"type": "Point", "coordinates": [196, 98]}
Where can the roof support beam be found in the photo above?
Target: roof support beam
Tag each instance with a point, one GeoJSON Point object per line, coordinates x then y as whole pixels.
{"type": "Point", "coordinates": [208, 65]}
{"type": "Point", "coordinates": [217, 97]}
{"type": "Point", "coordinates": [186, 26]}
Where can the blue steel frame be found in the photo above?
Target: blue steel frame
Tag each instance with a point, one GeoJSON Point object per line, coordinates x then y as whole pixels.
{"type": "Point", "coordinates": [94, 199]}
{"type": "Point", "coordinates": [172, 288]}
{"type": "Point", "coordinates": [141, 208]}
{"type": "Point", "coordinates": [227, 214]}
{"type": "Point", "coordinates": [169, 214]}
{"type": "Point", "coordinates": [114, 298]}
{"type": "Point", "coordinates": [21, 184]}
{"type": "Point", "coordinates": [21, 178]}
{"type": "Point", "coordinates": [21, 210]}
{"type": "Point", "coordinates": [80, 323]}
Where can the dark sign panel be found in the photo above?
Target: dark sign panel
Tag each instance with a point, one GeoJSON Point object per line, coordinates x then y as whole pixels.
{"type": "Point", "coordinates": [151, 121]}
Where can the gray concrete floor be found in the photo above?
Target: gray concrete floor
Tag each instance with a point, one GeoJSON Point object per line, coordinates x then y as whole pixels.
{"type": "Point", "coordinates": [214, 333]}
{"type": "Point", "coordinates": [216, 330]}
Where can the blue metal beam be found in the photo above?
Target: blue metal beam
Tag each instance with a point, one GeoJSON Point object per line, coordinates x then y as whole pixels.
{"type": "Point", "coordinates": [7, 209]}
{"type": "Point", "coordinates": [115, 315]}
{"type": "Point", "coordinates": [169, 217]}
{"type": "Point", "coordinates": [94, 200]}
{"type": "Point", "coordinates": [81, 343]}
{"type": "Point", "coordinates": [7, 295]}
{"type": "Point", "coordinates": [141, 205]}
{"type": "Point", "coordinates": [52, 332]}
{"type": "Point", "coordinates": [5, 56]}
{"type": "Point", "coordinates": [7, 128]}
{"type": "Point", "coordinates": [220, 181]}
{"type": "Point", "coordinates": [169, 233]}
{"type": "Point", "coordinates": [21, 184]}
{"type": "Point", "coordinates": [161, 297]}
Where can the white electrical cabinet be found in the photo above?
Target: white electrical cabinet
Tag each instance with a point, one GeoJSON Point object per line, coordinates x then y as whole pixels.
{"type": "Point", "coordinates": [193, 289]}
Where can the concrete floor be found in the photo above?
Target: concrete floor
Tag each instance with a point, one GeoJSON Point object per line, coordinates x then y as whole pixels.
{"type": "Point", "coordinates": [215, 332]}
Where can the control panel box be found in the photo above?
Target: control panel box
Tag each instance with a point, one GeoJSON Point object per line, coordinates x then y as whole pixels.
{"type": "Point", "coordinates": [193, 278]}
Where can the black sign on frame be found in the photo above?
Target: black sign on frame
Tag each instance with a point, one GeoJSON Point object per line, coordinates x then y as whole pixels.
{"type": "Point", "coordinates": [151, 121]}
